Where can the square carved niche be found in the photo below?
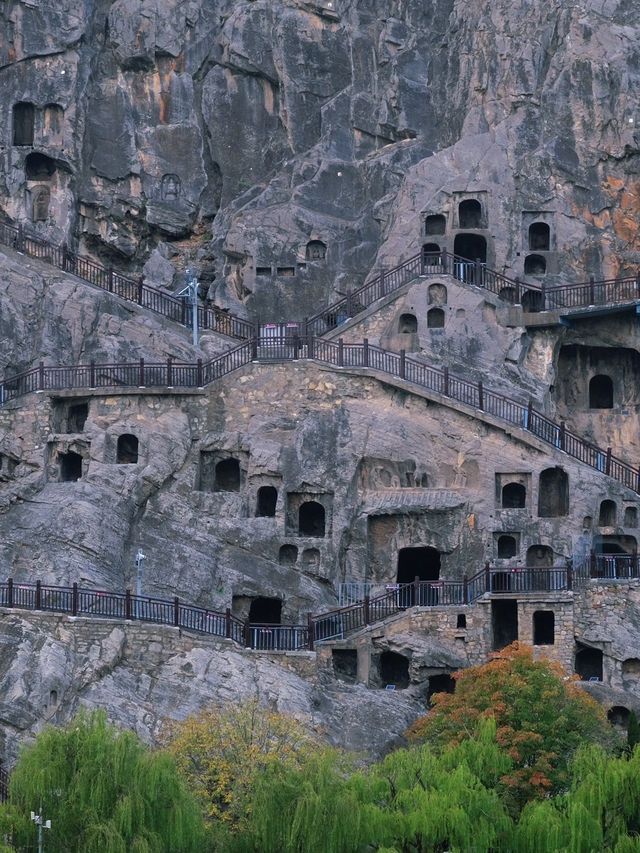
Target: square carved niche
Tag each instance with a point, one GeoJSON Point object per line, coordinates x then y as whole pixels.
{"type": "Point", "coordinates": [513, 490]}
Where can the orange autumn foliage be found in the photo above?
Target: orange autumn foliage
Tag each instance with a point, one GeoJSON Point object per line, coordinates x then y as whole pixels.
{"type": "Point", "coordinates": [541, 716]}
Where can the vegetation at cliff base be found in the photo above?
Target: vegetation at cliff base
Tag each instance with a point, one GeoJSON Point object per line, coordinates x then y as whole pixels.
{"type": "Point", "coordinates": [104, 792]}
{"type": "Point", "coordinates": [518, 760]}
{"type": "Point", "coordinates": [541, 717]}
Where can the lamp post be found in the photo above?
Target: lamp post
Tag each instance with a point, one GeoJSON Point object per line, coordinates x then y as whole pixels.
{"type": "Point", "coordinates": [139, 564]}
{"type": "Point", "coordinates": [41, 823]}
{"type": "Point", "coordinates": [190, 291]}
{"type": "Point", "coordinates": [140, 558]}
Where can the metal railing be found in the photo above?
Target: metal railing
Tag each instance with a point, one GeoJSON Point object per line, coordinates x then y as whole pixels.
{"type": "Point", "coordinates": [533, 296]}
{"type": "Point", "coordinates": [77, 601]}
{"type": "Point", "coordinates": [172, 374]}
{"type": "Point", "coordinates": [132, 290]}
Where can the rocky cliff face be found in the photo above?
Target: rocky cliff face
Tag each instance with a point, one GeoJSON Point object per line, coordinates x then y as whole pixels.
{"type": "Point", "coordinates": [284, 151]}
{"type": "Point", "coordinates": [231, 135]}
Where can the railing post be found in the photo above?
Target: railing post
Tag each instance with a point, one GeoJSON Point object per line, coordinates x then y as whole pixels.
{"type": "Point", "coordinates": [607, 469]}
{"type": "Point", "coordinates": [638, 284]}
{"type": "Point", "coordinates": [569, 574]}
{"type": "Point", "coordinates": [465, 589]}
{"type": "Point", "coordinates": [141, 375]}
{"type": "Point", "coordinates": [227, 623]}
{"type": "Point", "coordinates": [365, 610]}
{"type": "Point", "coordinates": [349, 303]}
{"type": "Point", "coordinates": [38, 595]}
{"type": "Point", "coordinates": [170, 372]}
{"type": "Point", "coordinates": [365, 352]}
{"type": "Point", "coordinates": [41, 376]}
{"type": "Point", "coordinates": [340, 352]}
{"type": "Point", "coordinates": [176, 612]}
{"type": "Point", "coordinates": [416, 591]}
{"type": "Point", "coordinates": [562, 434]}
{"type": "Point", "coordinates": [592, 290]}
{"type": "Point", "coordinates": [592, 564]}
{"type": "Point", "coordinates": [403, 364]}
{"type": "Point", "coordinates": [200, 374]}
{"type": "Point", "coordinates": [296, 345]}
{"type": "Point", "coordinates": [446, 381]}
{"type": "Point", "coordinates": [140, 292]}
{"type": "Point", "coordinates": [64, 251]}
{"type": "Point", "coordinates": [310, 630]}
{"type": "Point", "coordinates": [20, 238]}
{"type": "Point", "coordinates": [543, 296]}
{"type": "Point", "coordinates": [10, 592]}
{"type": "Point", "coordinates": [529, 415]}
{"type": "Point", "coordinates": [477, 272]}
{"type": "Point", "coordinates": [480, 396]}
{"type": "Point", "coordinates": [127, 604]}
{"type": "Point", "coordinates": [255, 340]}
{"type": "Point", "coordinates": [74, 600]}
{"type": "Point", "coordinates": [487, 577]}
{"type": "Point", "coordinates": [638, 481]}
{"type": "Point", "coordinates": [247, 634]}
{"type": "Point", "coordinates": [92, 375]}
{"type": "Point", "coordinates": [183, 317]}
{"type": "Point", "coordinates": [110, 279]}
{"type": "Point", "coordinates": [311, 346]}
{"type": "Point", "coordinates": [518, 292]}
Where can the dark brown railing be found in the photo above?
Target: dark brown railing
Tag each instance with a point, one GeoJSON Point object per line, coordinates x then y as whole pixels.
{"type": "Point", "coordinates": [133, 290]}
{"type": "Point", "coordinates": [77, 601]}
{"type": "Point", "coordinates": [171, 374]}
{"type": "Point", "coordinates": [532, 296]}
{"type": "Point", "coordinates": [4, 785]}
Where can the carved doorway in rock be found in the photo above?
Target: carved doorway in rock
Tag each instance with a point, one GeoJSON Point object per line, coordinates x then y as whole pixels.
{"type": "Point", "coordinates": [422, 563]}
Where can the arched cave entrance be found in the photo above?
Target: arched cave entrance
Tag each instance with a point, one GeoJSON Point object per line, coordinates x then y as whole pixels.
{"type": "Point", "coordinates": [227, 476]}
{"type": "Point", "coordinates": [470, 213]}
{"type": "Point", "coordinates": [618, 716]}
{"type": "Point", "coordinates": [311, 519]}
{"type": "Point", "coordinates": [265, 611]}
{"type": "Point", "coordinates": [588, 663]}
{"type": "Point", "coordinates": [443, 683]}
{"type": "Point", "coordinates": [70, 467]}
{"type": "Point", "coordinates": [539, 237]}
{"type": "Point", "coordinates": [471, 247]}
{"type": "Point", "coordinates": [267, 500]}
{"type": "Point", "coordinates": [394, 670]}
{"type": "Point", "coordinates": [514, 496]}
{"type": "Point", "coordinates": [127, 449]}
{"type": "Point", "coordinates": [601, 392]}
{"type": "Point", "coordinates": [422, 563]}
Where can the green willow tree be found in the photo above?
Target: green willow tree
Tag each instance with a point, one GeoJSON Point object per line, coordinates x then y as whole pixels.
{"type": "Point", "coordinates": [104, 792]}
{"type": "Point", "coordinates": [600, 814]}
{"type": "Point", "coordinates": [414, 801]}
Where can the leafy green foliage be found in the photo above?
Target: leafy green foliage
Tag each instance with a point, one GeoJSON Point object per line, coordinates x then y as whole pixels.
{"type": "Point", "coordinates": [633, 732]}
{"type": "Point", "coordinates": [414, 800]}
{"type": "Point", "coordinates": [104, 792]}
{"type": "Point", "coordinates": [541, 716]}
{"type": "Point", "coordinates": [221, 751]}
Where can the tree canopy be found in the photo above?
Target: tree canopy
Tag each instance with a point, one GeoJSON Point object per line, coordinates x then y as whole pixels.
{"type": "Point", "coordinates": [541, 715]}
{"type": "Point", "coordinates": [104, 792]}
{"type": "Point", "coordinates": [221, 750]}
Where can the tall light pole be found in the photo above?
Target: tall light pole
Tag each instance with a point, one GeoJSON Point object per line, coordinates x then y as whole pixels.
{"type": "Point", "coordinates": [139, 563]}
{"type": "Point", "coordinates": [191, 291]}
{"type": "Point", "coordinates": [41, 823]}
